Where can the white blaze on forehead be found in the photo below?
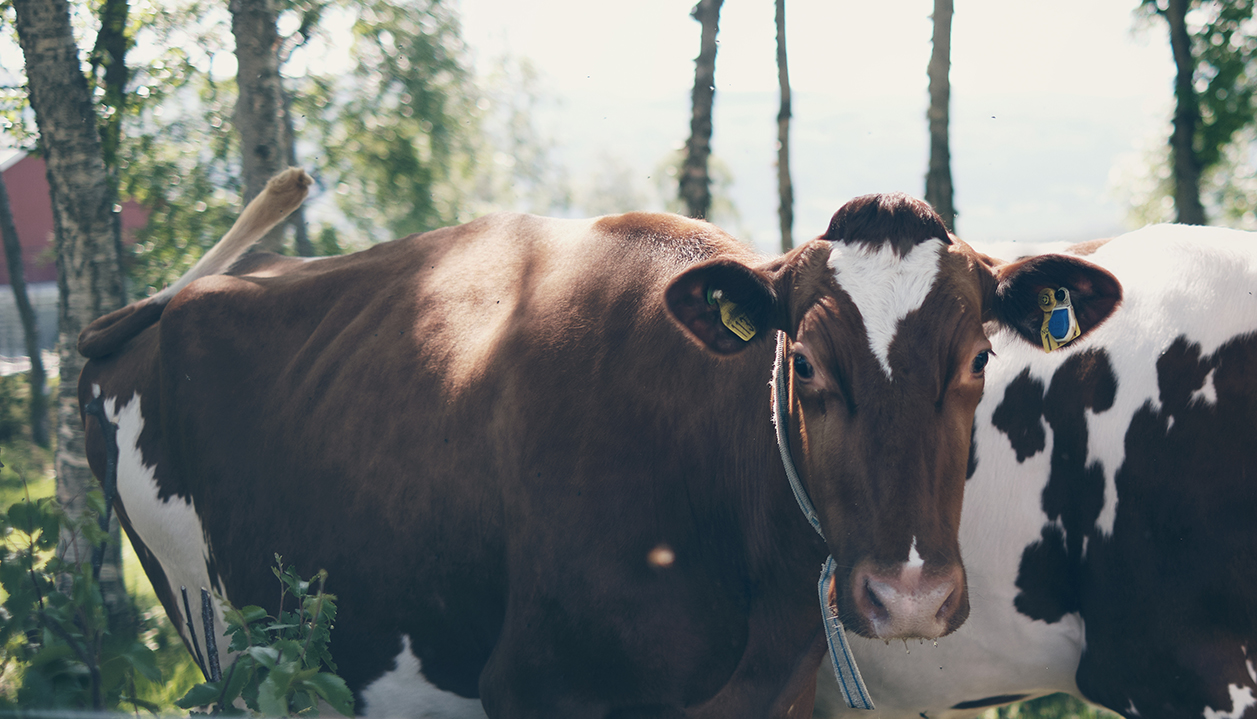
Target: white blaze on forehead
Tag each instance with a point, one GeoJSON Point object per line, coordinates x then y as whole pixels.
{"type": "Point", "coordinates": [885, 287]}
{"type": "Point", "coordinates": [914, 557]}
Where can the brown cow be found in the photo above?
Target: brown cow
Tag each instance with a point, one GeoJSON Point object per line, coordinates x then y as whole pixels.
{"type": "Point", "coordinates": [539, 465]}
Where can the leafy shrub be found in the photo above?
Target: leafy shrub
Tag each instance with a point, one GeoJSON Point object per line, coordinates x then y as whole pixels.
{"type": "Point", "coordinates": [1052, 706]}
{"type": "Point", "coordinates": [277, 671]}
{"type": "Point", "coordinates": [53, 628]}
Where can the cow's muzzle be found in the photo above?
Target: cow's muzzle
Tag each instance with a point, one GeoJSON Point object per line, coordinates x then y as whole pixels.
{"type": "Point", "coordinates": [909, 601]}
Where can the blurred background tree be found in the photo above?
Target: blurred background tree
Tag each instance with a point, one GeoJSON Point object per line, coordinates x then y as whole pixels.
{"type": "Point", "coordinates": [1214, 43]}
{"type": "Point", "coordinates": [785, 185]}
{"type": "Point", "coordinates": [938, 187]}
{"type": "Point", "coordinates": [87, 237]}
{"type": "Point", "coordinates": [695, 184]}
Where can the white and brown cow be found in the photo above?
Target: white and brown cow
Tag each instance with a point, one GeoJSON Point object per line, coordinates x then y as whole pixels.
{"type": "Point", "coordinates": [1110, 524]}
{"type": "Point", "coordinates": [539, 465]}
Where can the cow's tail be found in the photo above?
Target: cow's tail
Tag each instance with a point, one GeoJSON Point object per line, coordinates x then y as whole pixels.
{"type": "Point", "coordinates": [284, 193]}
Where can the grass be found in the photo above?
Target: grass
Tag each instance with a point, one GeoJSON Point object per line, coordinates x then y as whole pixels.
{"type": "Point", "coordinates": [1052, 706]}
{"type": "Point", "coordinates": [179, 672]}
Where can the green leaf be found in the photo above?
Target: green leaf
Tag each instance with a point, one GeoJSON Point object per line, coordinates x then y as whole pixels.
{"type": "Point", "coordinates": [50, 653]}
{"type": "Point", "coordinates": [333, 690]}
{"type": "Point", "coordinates": [265, 656]}
{"type": "Point", "coordinates": [302, 704]}
{"type": "Point", "coordinates": [289, 649]}
{"type": "Point", "coordinates": [144, 660]}
{"type": "Point", "coordinates": [96, 502]}
{"type": "Point", "coordinates": [27, 517]}
{"type": "Point", "coordinates": [239, 675]}
{"type": "Point", "coordinates": [273, 691]}
{"type": "Point", "coordinates": [248, 615]}
{"type": "Point", "coordinates": [200, 695]}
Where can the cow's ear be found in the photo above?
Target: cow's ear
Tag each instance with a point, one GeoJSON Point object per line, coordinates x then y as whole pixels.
{"type": "Point", "coordinates": [1093, 292]}
{"type": "Point", "coordinates": [724, 305]}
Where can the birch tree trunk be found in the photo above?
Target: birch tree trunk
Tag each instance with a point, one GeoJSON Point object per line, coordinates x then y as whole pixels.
{"type": "Point", "coordinates": [259, 108]}
{"type": "Point", "coordinates": [785, 188]}
{"type": "Point", "coordinates": [30, 331]}
{"type": "Point", "coordinates": [86, 244]}
{"type": "Point", "coordinates": [109, 69]}
{"type": "Point", "coordinates": [938, 186]}
{"type": "Point", "coordinates": [301, 238]}
{"type": "Point", "coordinates": [1186, 118]}
{"type": "Point", "coordinates": [695, 189]}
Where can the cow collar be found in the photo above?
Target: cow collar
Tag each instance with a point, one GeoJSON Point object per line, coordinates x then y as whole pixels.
{"type": "Point", "coordinates": [849, 680]}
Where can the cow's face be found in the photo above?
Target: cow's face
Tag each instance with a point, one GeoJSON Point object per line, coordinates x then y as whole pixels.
{"type": "Point", "coordinates": [885, 349]}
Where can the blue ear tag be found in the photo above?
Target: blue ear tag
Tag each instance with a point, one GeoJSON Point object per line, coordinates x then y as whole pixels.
{"type": "Point", "coordinates": [1060, 325]}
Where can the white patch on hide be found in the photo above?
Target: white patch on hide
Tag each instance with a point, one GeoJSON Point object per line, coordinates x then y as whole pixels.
{"type": "Point", "coordinates": [404, 693]}
{"type": "Point", "coordinates": [1242, 700]}
{"type": "Point", "coordinates": [169, 528]}
{"type": "Point", "coordinates": [885, 287]}
{"type": "Point", "coordinates": [1207, 393]}
{"type": "Point", "coordinates": [1110, 455]}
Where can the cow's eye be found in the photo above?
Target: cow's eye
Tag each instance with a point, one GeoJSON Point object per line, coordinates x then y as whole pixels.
{"type": "Point", "coordinates": [979, 362]}
{"type": "Point", "coordinates": [802, 368]}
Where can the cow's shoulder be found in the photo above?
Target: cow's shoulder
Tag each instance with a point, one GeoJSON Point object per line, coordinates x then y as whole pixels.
{"type": "Point", "coordinates": [670, 237]}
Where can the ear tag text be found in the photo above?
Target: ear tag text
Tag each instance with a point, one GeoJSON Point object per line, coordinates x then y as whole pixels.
{"type": "Point", "coordinates": [1060, 325]}
{"type": "Point", "coordinates": [733, 318]}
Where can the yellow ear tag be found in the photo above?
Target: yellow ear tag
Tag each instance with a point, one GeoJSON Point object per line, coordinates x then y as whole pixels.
{"type": "Point", "coordinates": [1060, 325]}
{"type": "Point", "coordinates": [737, 322]}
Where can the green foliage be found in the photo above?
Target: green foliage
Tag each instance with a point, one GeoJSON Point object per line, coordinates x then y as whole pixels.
{"type": "Point", "coordinates": [179, 672]}
{"type": "Point", "coordinates": [401, 125]}
{"type": "Point", "coordinates": [1052, 706]}
{"type": "Point", "coordinates": [14, 406]}
{"type": "Point", "coordinates": [396, 134]}
{"type": "Point", "coordinates": [277, 669]}
{"type": "Point", "coordinates": [54, 629]}
{"type": "Point", "coordinates": [25, 473]}
{"type": "Point", "coordinates": [1224, 47]}
{"type": "Point", "coordinates": [179, 154]}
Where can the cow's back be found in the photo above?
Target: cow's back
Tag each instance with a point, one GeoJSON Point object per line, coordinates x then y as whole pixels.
{"type": "Point", "coordinates": [455, 412]}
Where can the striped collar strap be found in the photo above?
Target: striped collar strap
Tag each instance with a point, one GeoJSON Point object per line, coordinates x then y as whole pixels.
{"type": "Point", "coordinates": [849, 680]}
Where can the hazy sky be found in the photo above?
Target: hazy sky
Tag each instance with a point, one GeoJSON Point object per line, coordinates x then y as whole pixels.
{"type": "Point", "coordinates": [646, 47]}
{"type": "Point", "coordinates": [1055, 106]}
{"type": "Point", "coordinates": [1049, 100]}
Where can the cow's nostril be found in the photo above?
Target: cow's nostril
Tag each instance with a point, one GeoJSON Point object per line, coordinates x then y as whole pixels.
{"type": "Point", "coordinates": [945, 611]}
{"type": "Point", "coordinates": [872, 597]}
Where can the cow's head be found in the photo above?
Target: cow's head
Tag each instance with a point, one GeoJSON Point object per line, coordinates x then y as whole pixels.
{"type": "Point", "coordinates": [886, 348]}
